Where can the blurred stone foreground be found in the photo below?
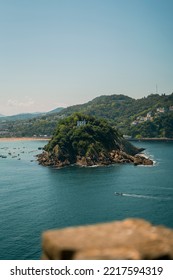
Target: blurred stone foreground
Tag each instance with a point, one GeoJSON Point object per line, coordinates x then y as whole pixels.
{"type": "Point", "coordinates": [131, 239]}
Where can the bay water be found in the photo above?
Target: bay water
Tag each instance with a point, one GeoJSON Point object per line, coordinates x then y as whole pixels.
{"type": "Point", "coordinates": [34, 198]}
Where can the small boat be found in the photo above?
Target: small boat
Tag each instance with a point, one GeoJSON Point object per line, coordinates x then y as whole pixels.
{"type": "Point", "coordinates": [118, 194]}
{"type": "Point", "coordinates": [2, 156]}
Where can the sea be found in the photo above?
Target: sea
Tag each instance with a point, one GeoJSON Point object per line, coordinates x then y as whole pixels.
{"type": "Point", "coordinates": [34, 198]}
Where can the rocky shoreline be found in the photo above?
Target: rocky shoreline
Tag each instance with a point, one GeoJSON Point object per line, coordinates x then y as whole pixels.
{"type": "Point", "coordinates": [115, 156]}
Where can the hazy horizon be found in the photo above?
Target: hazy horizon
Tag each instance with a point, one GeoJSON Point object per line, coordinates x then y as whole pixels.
{"type": "Point", "coordinates": [61, 53]}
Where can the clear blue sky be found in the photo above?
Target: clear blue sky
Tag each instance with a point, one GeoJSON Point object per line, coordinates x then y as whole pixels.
{"type": "Point", "coordinates": [63, 52]}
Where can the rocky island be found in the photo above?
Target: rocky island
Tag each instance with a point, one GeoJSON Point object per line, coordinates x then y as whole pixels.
{"type": "Point", "coordinates": [87, 141]}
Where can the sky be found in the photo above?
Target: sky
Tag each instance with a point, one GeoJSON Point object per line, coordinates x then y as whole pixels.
{"type": "Point", "coordinates": [57, 53]}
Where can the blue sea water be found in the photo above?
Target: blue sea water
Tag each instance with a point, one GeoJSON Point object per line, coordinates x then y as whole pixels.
{"type": "Point", "coordinates": [34, 198]}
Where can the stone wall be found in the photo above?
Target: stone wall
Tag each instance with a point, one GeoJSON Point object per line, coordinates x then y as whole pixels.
{"type": "Point", "coordinates": [131, 239]}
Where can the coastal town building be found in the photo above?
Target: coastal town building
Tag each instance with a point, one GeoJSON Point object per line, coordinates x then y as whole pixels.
{"type": "Point", "coordinates": [142, 119]}
{"type": "Point", "coordinates": [160, 110]}
{"type": "Point", "coordinates": [150, 115]}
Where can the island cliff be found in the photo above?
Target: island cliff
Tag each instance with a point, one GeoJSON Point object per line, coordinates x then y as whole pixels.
{"type": "Point", "coordinates": [86, 141]}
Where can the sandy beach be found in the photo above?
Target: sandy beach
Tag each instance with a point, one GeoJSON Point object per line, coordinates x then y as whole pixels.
{"type": "Point", "coordinates": [12, 139]}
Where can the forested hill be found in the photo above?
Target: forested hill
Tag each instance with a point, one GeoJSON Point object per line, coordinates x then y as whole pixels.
{"type": "Point", "coordinates": [107, 106]}
{"type": "Point", "coordinates": [86, 141]}
{"type": "Point", "coordinates": [121, 106]}
{"type": "Point", "coordinates": [151, 116]}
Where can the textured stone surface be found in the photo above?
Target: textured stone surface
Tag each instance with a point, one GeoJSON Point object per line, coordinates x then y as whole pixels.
{"type": "Point", "coordinates": [128, 239]}
{"type": "Point", "coordinates": [115, 156]}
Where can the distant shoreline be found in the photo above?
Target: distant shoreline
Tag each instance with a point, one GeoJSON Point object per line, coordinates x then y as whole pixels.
{"type": "Point", "coordinates": [13, 139]}
{"type": "Point", "coordinates": [152, 139]}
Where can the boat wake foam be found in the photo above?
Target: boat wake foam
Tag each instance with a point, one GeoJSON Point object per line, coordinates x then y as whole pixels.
{"type": "Point", "coordinates": [145, 196]}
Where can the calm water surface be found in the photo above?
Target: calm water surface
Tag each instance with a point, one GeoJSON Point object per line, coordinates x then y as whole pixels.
{"type": "Point", "coordinates": [35, 198]}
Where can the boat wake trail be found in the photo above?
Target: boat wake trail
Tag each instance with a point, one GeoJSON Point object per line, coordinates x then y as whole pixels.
{"type": "Point", "coordinates": [140, 196]}
{"type": "Point", "coordinates": [145, 196]}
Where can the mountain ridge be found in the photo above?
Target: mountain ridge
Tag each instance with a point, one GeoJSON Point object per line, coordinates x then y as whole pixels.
{"type": "Point", "coordinates": [150, 116]}
{"type": "Point", "coordinates": [24, 116]}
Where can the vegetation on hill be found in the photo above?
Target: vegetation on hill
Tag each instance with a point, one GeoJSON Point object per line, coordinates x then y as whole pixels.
{"type": "Point", "coordinates": [95, 135]}
{"type": "Point", "coordinates": [86, 140]}
{"type": "Point", "coordinates": [122, 110]}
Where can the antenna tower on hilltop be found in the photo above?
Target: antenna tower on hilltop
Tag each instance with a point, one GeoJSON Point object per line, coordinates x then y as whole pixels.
{"type": "Point", "coordinates": [156, 89]}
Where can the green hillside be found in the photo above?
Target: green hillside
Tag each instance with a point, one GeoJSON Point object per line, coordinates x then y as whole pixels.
{"type": "Point", "coordinates": [151, 116]}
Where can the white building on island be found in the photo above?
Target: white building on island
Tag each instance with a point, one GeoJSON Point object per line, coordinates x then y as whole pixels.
{"type": "Point", "coordinates": [81, 123]}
